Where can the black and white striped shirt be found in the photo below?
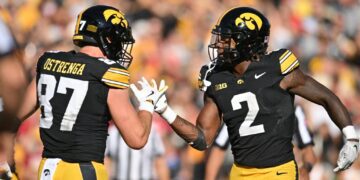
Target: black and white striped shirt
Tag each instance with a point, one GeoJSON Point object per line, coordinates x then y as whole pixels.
{"type": "Point", "coordinates": [302, 134]}
{"type": "Point", "coordinates": [129, 164]}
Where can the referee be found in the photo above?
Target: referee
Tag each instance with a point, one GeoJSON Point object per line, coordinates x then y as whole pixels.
{"type": "Point", "coordinates": [125, 163]}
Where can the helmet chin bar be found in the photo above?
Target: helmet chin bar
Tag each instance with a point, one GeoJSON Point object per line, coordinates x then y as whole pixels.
{"type": "Point", "coordinates": [125, 57]}
{"type": "Point", "coordinates": [117, 48]}
{"type": "Point", "coordinates": [225, 55]}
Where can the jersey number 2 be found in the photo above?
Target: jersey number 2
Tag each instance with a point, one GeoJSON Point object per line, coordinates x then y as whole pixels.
{"type": "Point", "coordinates": [72, 110]}
{"type": "Point", "coordinates": [245, 128]}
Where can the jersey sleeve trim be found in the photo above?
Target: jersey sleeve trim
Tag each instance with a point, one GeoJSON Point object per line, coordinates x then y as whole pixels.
{"type": "Point", "coordinates": [288, 62]}
{"type": "Point", "coordinates": [115, 77]}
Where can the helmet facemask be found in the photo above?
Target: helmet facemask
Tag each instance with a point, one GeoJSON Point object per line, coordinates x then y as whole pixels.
{"type": "Point", "coordinates": [222, 48]}
{"type": "Point", "coordinates": [116, 43]}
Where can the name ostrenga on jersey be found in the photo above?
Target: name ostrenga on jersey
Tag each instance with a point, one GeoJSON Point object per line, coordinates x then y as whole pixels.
{"type": "Point", "coordinates": [64, 67]}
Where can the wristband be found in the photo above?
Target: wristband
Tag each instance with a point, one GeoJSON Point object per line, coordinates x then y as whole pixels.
{"type": "Point", "coordinates": [349, 132]}
{"type": "Point", "coordinates": [146, 106]}
{"type": "Point", "coordinates": [169, 115]}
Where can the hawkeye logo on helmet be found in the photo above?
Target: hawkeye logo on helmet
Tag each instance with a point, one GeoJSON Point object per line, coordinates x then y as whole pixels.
{"type": "Point", "coordinates": [250, 20]}
{"type": "Point", "coordinates": [118, 18]}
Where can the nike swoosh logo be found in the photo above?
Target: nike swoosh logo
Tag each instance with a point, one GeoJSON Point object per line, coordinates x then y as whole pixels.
{"type": "Point", "coordinates": [280, 173]}
{"type": "Point", "coordinates": [257, 76]}
{"type": "Point", "coordinates": [152, 92]}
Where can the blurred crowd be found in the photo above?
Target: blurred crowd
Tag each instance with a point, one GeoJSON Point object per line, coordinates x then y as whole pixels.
{"type": "Point", "coordinates": [171, 43]}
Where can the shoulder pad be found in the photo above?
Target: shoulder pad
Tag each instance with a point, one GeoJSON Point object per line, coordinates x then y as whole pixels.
{"type": "Point", "coordinates": [288, 61]}
{"type": "Point", "coordinates": [116, 77]}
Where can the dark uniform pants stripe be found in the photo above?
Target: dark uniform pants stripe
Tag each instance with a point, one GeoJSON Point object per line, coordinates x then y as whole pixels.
{"type": "Point", "coordinates": [88, 171]}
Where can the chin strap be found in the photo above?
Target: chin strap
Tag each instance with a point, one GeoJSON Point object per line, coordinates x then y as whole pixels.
{"type": "Point", "coordinates": [207, 83]}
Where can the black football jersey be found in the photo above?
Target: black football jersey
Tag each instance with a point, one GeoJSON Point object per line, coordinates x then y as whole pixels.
{"type": "Point", "coordinates": [72, 91]}
{"type": "Point", "coordinates": [258, 113]}
{"type": "Point", "coordinates": [302, 135]}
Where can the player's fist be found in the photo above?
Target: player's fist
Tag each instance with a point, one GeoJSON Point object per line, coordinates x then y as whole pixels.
{"type": "Point", "coordinates": [163, 108]}
{"type": "Point", "coordinates": [148, 95]}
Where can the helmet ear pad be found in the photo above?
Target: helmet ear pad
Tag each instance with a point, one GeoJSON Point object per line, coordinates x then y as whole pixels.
{"type": "Point", "coordinates": [116, 43]}
{"type": "Point", "coordinates": [108, 43]}
{"type": "Point", "coordinates": [249, 45]}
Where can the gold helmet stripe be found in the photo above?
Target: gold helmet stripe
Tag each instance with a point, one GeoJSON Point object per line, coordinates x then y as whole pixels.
{"type": "Point", "coordinates": [78, 23]}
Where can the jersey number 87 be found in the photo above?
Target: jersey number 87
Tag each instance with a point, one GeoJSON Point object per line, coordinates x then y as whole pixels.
{"type": "Point", "coordinates": [45, 94]}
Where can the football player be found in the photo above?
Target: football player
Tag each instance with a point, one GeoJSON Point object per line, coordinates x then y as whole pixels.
{"type": "Point", "coordinates": [253, 92]}
{"type": "Point", "coordinates": [13, 77]}
{"type": "Point", "coordinates": [79, 92]}
{"type": "Point", "coordinates": [13, 82]}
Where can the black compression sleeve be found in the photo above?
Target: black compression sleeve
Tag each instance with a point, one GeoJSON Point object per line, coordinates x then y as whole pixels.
{"type": "Point", "coordinates": [199, 143]}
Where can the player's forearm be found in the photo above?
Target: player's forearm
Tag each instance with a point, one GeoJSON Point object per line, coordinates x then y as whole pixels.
{"type": "Point", "coordinates": [190, 133]}
{"type": "Point", "coordinates": [185, 129]}
{"type": "Point", "coordinates": [337, 112]}
{"type": "Point", "coordinates": [133, 126]}
{"type": "Point", "coordinates": [326, 98]}
{"type": "Point", "coordinates": [146, 120]}
{"type": "Point", "coordinates": [308, 158]}
{"type": "Point", "coordinates": [312, 90]}
{"type": "Point", "coordinates": [334, 107]}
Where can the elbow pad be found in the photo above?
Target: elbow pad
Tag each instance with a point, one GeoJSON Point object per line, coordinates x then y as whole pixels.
{"type": "Point", "coordinates": [199, 143]}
